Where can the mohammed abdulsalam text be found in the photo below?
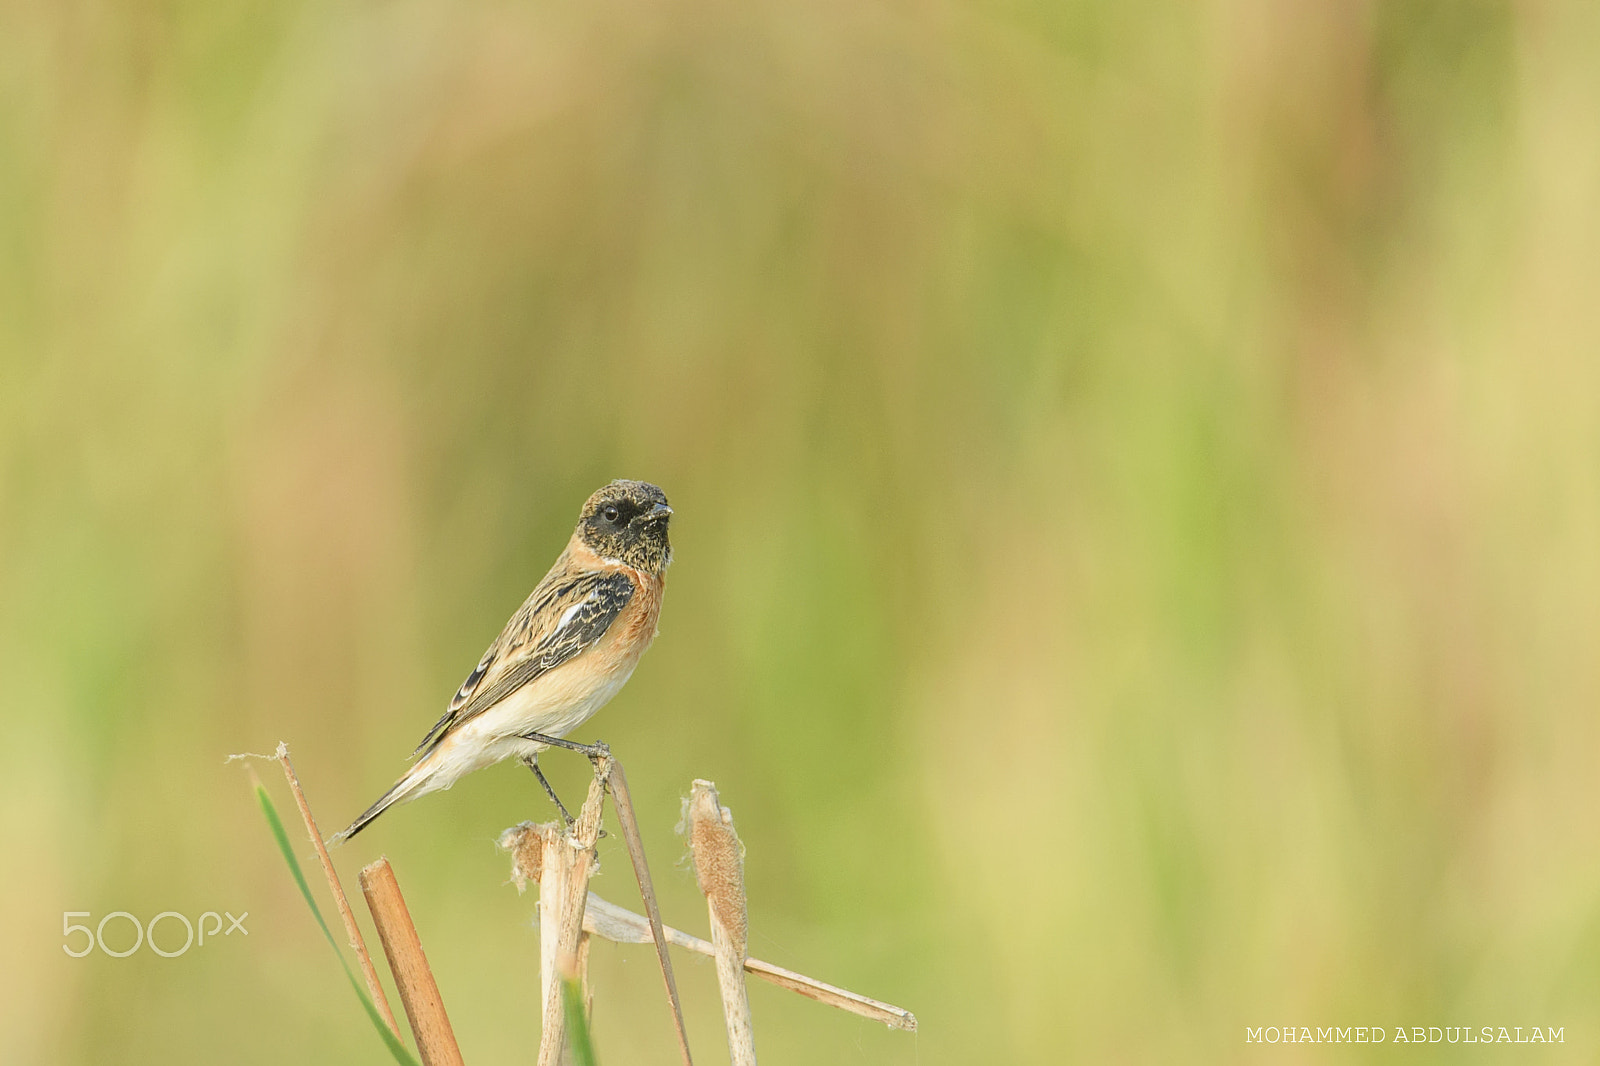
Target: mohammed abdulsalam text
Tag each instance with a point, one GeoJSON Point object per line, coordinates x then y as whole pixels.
{"type": "Point", "coordinates": [1432, 1034]}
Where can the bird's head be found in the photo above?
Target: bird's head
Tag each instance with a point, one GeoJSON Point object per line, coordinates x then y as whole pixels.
{"type": "Point", "coordinates": [627, 521]}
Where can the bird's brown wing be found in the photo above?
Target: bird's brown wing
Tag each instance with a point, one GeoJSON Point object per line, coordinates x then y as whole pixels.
{"type": "Point", "coordinates": [564, 616]}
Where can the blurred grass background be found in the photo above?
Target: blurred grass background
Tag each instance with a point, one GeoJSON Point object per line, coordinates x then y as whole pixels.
{"type": "Point", "coordinates": [1136, 464]}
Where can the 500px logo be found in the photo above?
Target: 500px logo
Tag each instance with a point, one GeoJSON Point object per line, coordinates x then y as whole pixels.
{"type": "Point", "coordinates": [146, 934]}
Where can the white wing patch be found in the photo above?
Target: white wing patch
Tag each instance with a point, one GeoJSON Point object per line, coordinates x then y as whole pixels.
{"type": "Point", "coordinates": [572, 612]}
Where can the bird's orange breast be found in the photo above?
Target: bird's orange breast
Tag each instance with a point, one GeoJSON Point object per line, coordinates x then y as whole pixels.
{"type": "Point", "coordinates": [631, 632]}
{"type": "Point", "coordinates": [635, 626]}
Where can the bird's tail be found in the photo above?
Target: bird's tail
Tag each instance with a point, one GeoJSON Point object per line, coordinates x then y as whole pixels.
{"type": "Point", "coordinates": [403, 788]}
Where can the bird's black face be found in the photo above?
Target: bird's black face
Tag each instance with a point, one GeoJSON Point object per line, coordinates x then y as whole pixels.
{"type": "Point", "coordinates": [627, 520]}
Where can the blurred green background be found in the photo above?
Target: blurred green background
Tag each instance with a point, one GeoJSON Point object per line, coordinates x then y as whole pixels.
{"type": "Point", "coordinates": [1138, 538]}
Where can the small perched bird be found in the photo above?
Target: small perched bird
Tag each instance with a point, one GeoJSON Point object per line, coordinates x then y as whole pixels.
{"type": "Point", "coordinates": [569, 648]}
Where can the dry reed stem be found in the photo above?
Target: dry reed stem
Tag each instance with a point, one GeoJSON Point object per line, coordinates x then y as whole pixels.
{"type": "Point", "coordinates": [623, 801]}
{"type": "Point", "coordinates": [568, 859]}
{"type": "Point", "coordinates": [419, 994]}
{"type": "Point", "coordinates": [340, 900]}
{"type": "Point", "coordinates": [622, 926]}
{"type": "Point", "coordinates": [526, 842]}
{"type": "Point", "coordinates": [556, 869]}
{"type": "Point", "coordinates": [719, 870]}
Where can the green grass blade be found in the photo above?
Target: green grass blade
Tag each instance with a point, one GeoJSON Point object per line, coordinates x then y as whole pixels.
{"type": "Point", "coordinates": [577, 1025]}
{"type": "Point", "coordinates": [392, 1042]}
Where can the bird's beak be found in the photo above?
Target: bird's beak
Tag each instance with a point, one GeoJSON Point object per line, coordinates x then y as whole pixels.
{"type": "Point", "coordinates": [659, 511]}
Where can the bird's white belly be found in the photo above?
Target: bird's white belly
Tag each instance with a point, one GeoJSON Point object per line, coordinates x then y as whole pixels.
{"type": "Point", "coordinates": [554, 705]}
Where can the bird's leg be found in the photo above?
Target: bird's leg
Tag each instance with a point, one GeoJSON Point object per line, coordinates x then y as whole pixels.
{"type": "Point", "coordinates": [532, 763]}
{"type": "Point", "coordinates": [598, 750]}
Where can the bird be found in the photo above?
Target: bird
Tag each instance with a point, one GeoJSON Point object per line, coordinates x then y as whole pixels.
{"type": "Point", "coordinates": [563, 655]}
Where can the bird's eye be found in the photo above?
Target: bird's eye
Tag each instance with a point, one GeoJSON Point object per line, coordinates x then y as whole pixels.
{"type": "Point", "coordinates": [610, 514]}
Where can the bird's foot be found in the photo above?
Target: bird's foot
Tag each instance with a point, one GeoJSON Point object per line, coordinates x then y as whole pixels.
{"type": "Point", "coordinates": [596, 751]}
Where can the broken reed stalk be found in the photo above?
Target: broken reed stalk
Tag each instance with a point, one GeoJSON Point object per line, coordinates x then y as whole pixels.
{"type": "Point", "coordinates": [620, 925]}
{"type": "Point", "coordinates": [529, 860]}
{"type": "Point", "coordinates": [608, 921]}
{"type": "Point", "coordinates": [419, 994]}
{"type": "Point", "coordinates": [527, 844]}
{"type": "Point", "coordinates": [357, 943]}
{"type": "Point", "coordinates": [622, 799]}
{"type": "Point", "coordinates": [719, 871]}
{"type": "Point", "coordinates": [569, 858]}
{"type": "Point", "coordinates": [556, 861]}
